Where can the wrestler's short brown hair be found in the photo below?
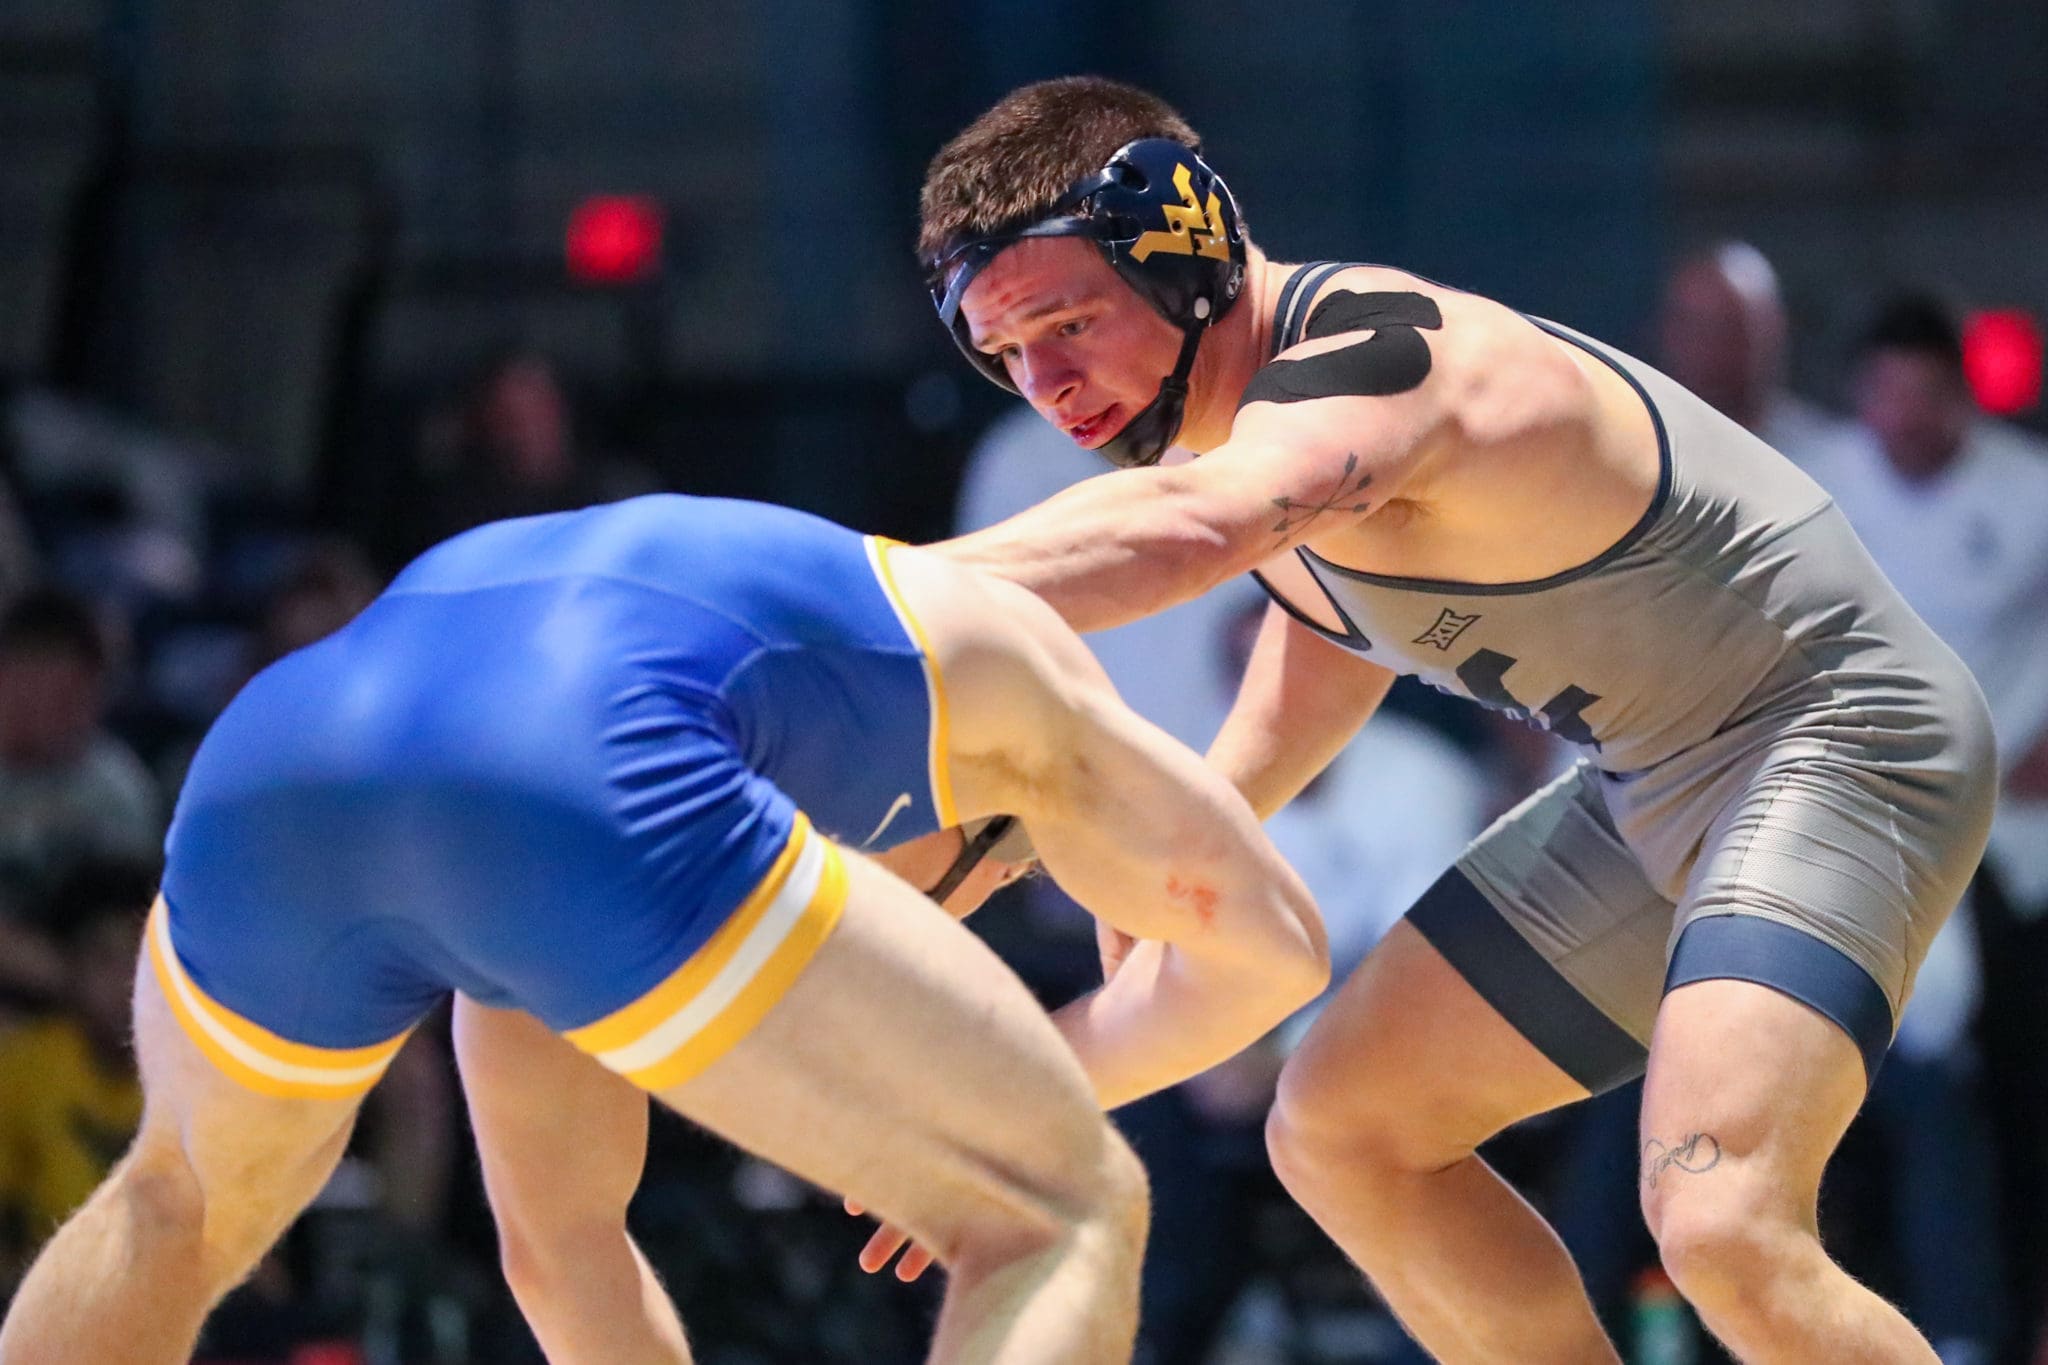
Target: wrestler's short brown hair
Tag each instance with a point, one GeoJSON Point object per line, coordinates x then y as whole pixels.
{"type": "Point", "coordinates": [1011, 165]}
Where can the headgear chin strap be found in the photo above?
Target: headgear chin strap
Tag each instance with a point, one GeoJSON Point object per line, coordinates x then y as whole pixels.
{"type": "Point", "coordinates": [1145, 437]}
{"type": "Point", "coordinates": [1169, 227]}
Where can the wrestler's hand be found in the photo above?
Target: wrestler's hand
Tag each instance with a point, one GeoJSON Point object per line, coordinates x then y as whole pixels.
{"type": "Point", "coordinates": [923, 861]}
{"type": "Point", "coordinates": [887, 1241]}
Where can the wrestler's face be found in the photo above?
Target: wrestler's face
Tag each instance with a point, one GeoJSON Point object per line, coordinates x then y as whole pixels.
{"type": "Point", "coordinates": [1086, 351]}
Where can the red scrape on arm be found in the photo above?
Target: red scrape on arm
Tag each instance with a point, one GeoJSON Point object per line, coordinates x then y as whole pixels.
{"type": "Point", "coordinates": [1202, 898]}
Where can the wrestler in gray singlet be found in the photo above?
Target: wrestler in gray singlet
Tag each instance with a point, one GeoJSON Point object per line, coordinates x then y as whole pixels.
{"type": "Point", "coordinates": [1787, 776]}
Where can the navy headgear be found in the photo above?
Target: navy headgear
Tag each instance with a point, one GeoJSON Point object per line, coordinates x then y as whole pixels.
{"type": "Point", "coordinates": [1168, 225]}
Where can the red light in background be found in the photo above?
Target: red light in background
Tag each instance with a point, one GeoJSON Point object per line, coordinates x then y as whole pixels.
{"type": "Point", "coordinates": [614, 239]}
{"type": "Point", "coordinates": [2002, 360]}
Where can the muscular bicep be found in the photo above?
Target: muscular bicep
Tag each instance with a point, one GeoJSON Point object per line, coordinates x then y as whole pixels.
{"type": "Point", "coordinates": [1292, 473]}
{"type": "Point", "coordinates": [1334, 428]}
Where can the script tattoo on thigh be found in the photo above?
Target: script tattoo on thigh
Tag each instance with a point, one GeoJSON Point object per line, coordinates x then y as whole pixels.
{"type": "Point", "coordinates": [1696, 1155]}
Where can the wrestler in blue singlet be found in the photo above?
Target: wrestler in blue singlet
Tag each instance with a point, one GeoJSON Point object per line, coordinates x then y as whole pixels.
{"type": "Point", "coordinates": [568, 763]}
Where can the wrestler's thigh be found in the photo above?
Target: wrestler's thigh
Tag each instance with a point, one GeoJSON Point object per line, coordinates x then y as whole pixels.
{"type": "Point", "coordinates": [908, 1068]}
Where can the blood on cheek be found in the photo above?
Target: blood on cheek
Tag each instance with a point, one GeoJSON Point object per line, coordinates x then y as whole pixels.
{"type": "Point", "coordinates": [1202, 899]}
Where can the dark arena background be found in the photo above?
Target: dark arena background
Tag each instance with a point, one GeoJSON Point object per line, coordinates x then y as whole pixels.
{"type": "Point", "coordinates": [291, 291]}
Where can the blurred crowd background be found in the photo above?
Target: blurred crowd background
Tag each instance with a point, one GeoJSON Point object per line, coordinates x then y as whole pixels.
{"type": "Point", "coordinates": [289, 291]}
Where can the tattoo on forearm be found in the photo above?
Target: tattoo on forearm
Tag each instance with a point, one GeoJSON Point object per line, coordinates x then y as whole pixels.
{"type": "Point", "coordinates": [1295, 515]}
{"type": "Point", "coordinates": [1696, 1155]}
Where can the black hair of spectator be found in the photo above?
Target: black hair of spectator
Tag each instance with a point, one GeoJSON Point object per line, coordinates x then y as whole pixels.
{"type": "Point", "coordinates": [97, 890]}
{"type": "Point", "coordinates": [46, 618]}
{"type": "Point", "coordinates": [1919, 323]}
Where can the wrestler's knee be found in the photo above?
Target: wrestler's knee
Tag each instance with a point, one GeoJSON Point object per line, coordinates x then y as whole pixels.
{"type": "Point", "coordinates": [1361, 1109]}
{"type": "Point", "coordinates": [160, 1198]}
{"type": "Point", "coordinates": [1730, 1245]}
{"type": "Point", "coordinates": [1097, 1188]}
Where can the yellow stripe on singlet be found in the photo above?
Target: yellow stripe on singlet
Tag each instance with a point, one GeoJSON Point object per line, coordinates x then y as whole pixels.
{"type": "Point", "coordinates": [251, 1054]}
{"type": "Point", "coordinates": [729, 984]}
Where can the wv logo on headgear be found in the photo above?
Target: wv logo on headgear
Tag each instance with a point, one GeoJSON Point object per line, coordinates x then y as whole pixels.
{"type": "Point", "coordinates": [1192, 228]}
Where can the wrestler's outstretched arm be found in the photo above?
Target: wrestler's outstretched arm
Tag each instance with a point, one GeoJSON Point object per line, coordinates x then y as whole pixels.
{"type": "Point", "coordinates": [1131, 823]}
{"type": "Point", "coordinates": [1227, 940]}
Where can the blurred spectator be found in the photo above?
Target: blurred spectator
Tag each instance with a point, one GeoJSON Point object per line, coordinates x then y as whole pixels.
{"type": "Point", "coordinates": [69, 1099]}
{"type": "Point", "coordinates": [1722, 332]}
{"type": "Point", "coordinates": [61, 443]}
{"type": "Point", "coordinates": [510, 450]}
{"type": "Point", "coordinates": [68, 790]}
{"type": "Point", "coordinates": [332, 584]}
{"type": "Point", "coordinates": [17, 548]}
{"type": "Point", "coordinates": [409, 1127]}
{"type": "Point", "coordinates": [1954, 506]}
{"type": "Point", "coordinates": [120, 509]}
